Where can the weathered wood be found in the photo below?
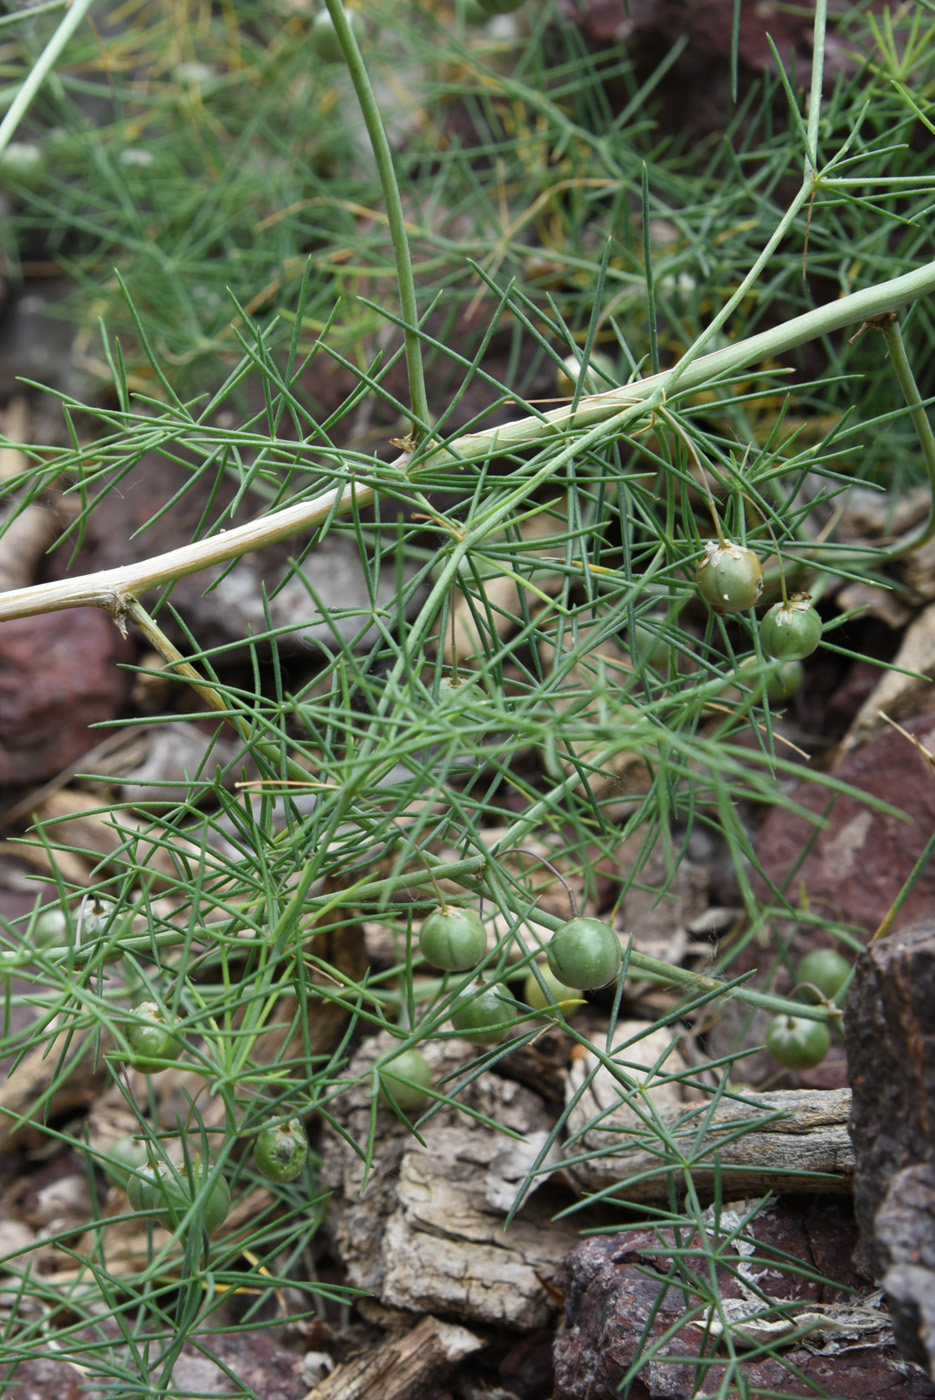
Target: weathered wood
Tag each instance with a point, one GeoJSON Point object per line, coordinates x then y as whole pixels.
{"type": "Point", "coordinates": [618, 1123]}
{"type": "Point", "coordinates": [409, 1367]}
{"type": "Point", "coordinates": [769, 1142]}
{"type": "Point", "coordinates": [425, 1231]}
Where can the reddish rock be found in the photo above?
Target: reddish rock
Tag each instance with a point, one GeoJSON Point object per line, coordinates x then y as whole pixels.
{"type": "Point", "coordinates": [625, 1294]}
{"type": "Point", "coordinates": [59, 674]}
{"type": "Point", "coordinates": [891, 1048]}
{"type": "Point", "coordinates": [858, 864]}
{"type": "Point", "coordinates": [262, 1365]}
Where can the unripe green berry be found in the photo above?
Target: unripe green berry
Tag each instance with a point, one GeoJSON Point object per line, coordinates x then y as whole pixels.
{"type": "Point", "coordinates": [824, 968]}
{"type": "Point", "coordinates": [22, 166]}
{"type": "Point", "coordinates": [791, 631]}
{"type": "Point", "coordinates": [151, 1038]}
{"type": "Point", "coordinates": [170, 1191]}
{"type": "Point", "coordinates": [730, 577]}
{"type": "Point", "coordinates": [567, 999]}
{"type": "Point", "coordinates": [797, 1043]}
{"type": "Point", "coordinates": [585, 954]}
{"type": "Point", "coordinates": [325, 41]}
{"type": "Point", "coordinates": [784, 681]}
{"type": "Point", "coordinates": [124, 1156]}
{"type": "Point", "coordinates": [404, 1078]}
{"type": "Point", "coordinates": [453, 939]}
{"type": "Point", "coordinates": [281, 1151]}
{"type": "Point", "coordinates": [480, 1016]}
{"type": "Point", "coordinates": [779, 679]}
{"type": "Point", "coordinates": [53, 928]}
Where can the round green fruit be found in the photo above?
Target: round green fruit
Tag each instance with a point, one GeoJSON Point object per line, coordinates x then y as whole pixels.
{"type": "Point", "coordinates": [53, 928]}
{"type": "Point", "coordinates": [280, 1152]}
{"type": "Point", "coordinates": [325, 41]}
{"type": "Point", "coordinates": [22, 166]}
{"type": "Point", "coordinates": [791, 631]}
{"type": "Point", "coordinates": [561, 997]}
{"type": "Point", "coordinates": [453, 939]}
{"type": "Point", "coordinates": [585, 954]}
{"type": "Point", "coordinates": [730, 577]}
{"type": "Point", "coordinates": [152, 1039]}
{"type": "Point", "coordinates": [482, 1016]}
{"type": "Point", "coordinates": [779, 679]}
{"type": "Point", "coordinates": [797, 1043]}
{"type": "Point", "coordinates": [169, 1192]}
{"type": "Point", "coordinates": [124, 1157]}
{"type": "Point", "coordinates": [783, 681]}
{"type": "Point", "coordinates": [404, 1080]}
{"type": "Point", "coordinates": [824, 968]}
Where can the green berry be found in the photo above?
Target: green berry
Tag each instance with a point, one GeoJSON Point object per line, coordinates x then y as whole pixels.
{"type": "Point", "coordinates": [567, 999]}
{"type": "Point", "coordinates": [730, 577]}
{"type": "Point", "coordinates": [453, 939]}
{"type": "Point", "coordinates": [797, 1043]}
{"type": "Point", "coordinates": [481, 1013]}
{"type": "Point", "coordinates": [124, 1157]}
{"type": "Point", "coordinates": [280, 1152]}
{"type": "Point", "coordinates": [784, 680]}
{"type": "Point", "coordinates": [53, 928]}
{"type": "Point", "coordinates": [325, 41]}
{"type": "Point", "coordinates": [169, 1191]}
{"type": "Point", "coordinates": [404, 1079]}
{"type": "Point", "coordinates": [22, 166]}
{"type": "Point", "coordinates": [585, 954]}
{"type": "Point", "coordinates": [778, 679]}
{"type": "Point", "coordinates": [824, 968]}
{"type": "Point", "coordinates": [791, 631]}
{"type": "Point", "coordinates": [152, 1039]}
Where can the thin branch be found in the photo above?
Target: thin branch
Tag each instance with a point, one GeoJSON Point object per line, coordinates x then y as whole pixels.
{"type": "Point", "coordinates": [112, 588]}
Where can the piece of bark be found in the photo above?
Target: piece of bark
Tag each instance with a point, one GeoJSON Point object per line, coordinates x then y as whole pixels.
{"type": "Point", "coordinates": [890, 1031]}
{"type": "Point", "coordinates": [791, 1131]}
{"type": "Point", "coordinates": [409, 1367]}
{"type": "Point", "coordinates": [425, 1231]}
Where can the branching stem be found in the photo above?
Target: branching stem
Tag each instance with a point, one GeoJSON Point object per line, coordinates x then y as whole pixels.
{"type": "Point", "coordinates": [618, 409]}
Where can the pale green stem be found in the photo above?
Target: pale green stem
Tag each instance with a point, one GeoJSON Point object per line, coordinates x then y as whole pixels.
{"type": "Point", "coordinates": [41, 69]}
{"type": "Point", "coordinates": [110, 588]}
{"type": "Point", "coordinates": [889, 327]}
{"type": "Point", "coordinates": [394, 212]}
